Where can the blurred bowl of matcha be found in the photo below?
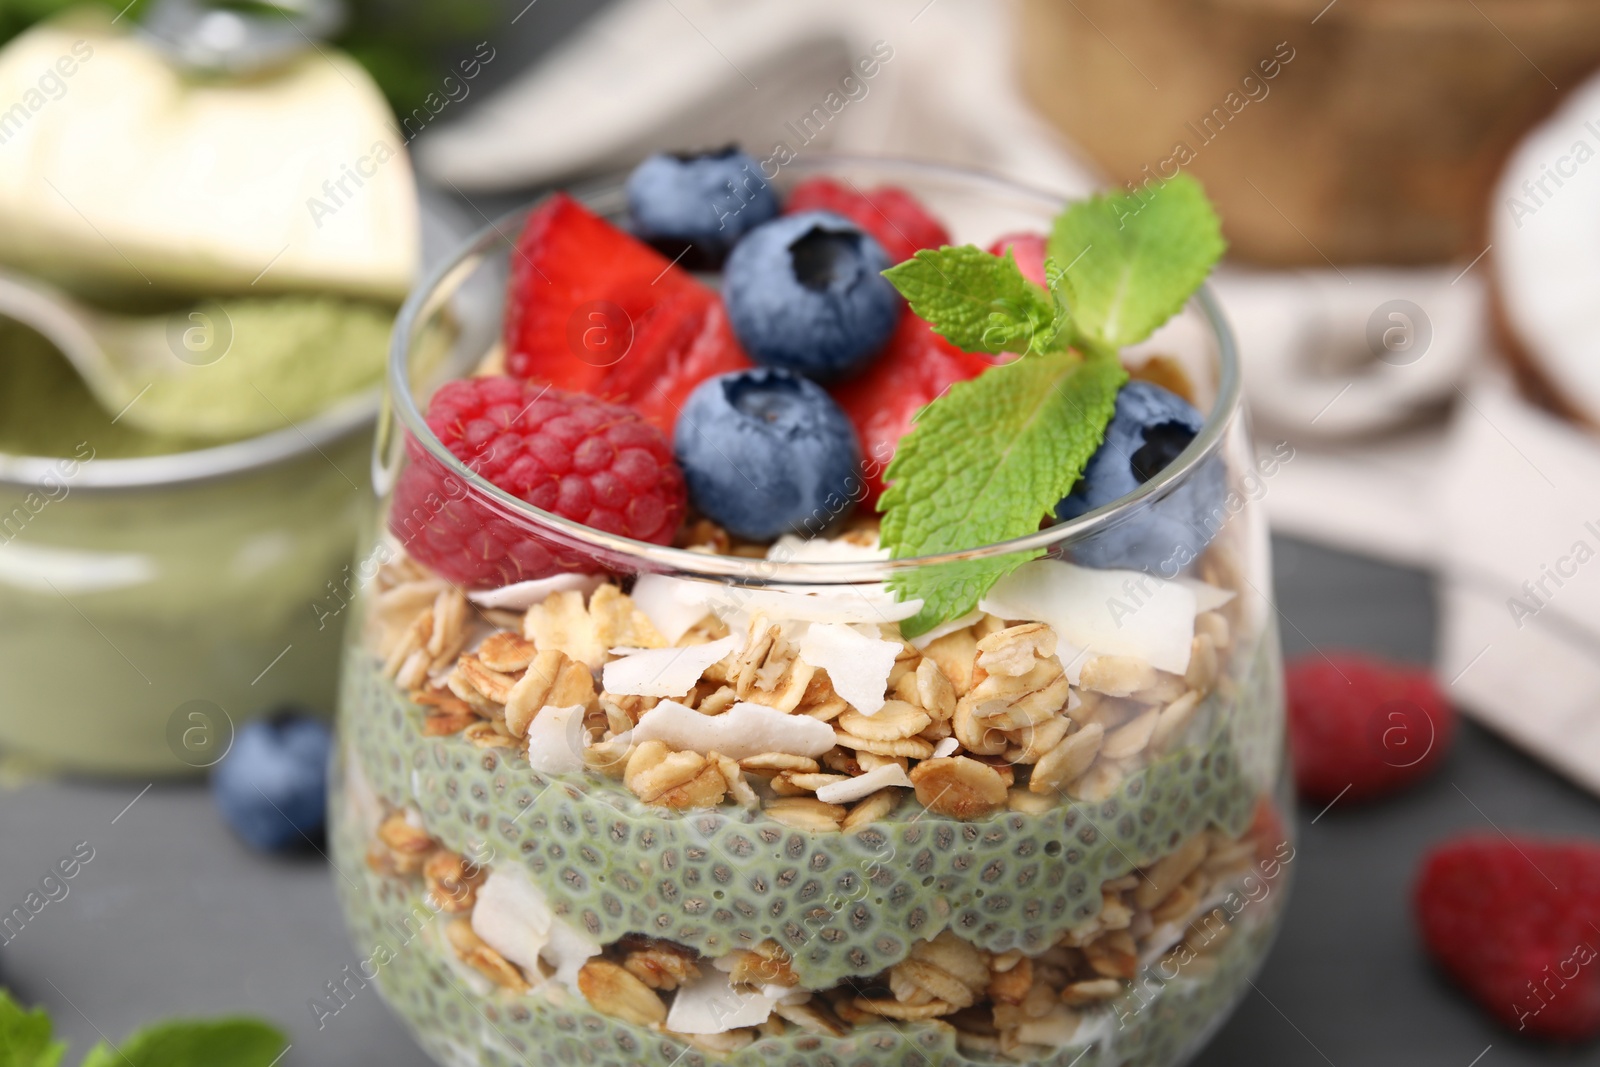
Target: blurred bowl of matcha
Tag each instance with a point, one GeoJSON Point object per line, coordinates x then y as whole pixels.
{"type": "Point", "coordinates": [176, 546]}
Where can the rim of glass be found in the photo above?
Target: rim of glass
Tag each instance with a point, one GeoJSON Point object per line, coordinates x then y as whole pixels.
{"type": "Point", "coordinates": [426, 299]}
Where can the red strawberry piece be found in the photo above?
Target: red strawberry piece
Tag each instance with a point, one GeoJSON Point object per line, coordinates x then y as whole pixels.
{"type": "Point", "coordinates": [915, 368]}
{"type": "Point", "coordinates": [596, 463]}
{"type": "Point", "coordinates": [1363, 727]}
{"type": "Point", "coordinates": [895, 217]}
{"type": "Point", "coordinates": [1516, 923]}
{"type": "Point", "coordinates": [592, 310]}
{"type": "Point", "coordinates": [1028, 250]}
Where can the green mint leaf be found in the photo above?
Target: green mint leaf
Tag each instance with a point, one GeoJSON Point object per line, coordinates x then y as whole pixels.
{"type": "Point", "coordinates": [25, 1036]}
{"type": "Point", "coordinates": [985, 463]}
{"type": "Point", "coordinates": [1133, 259]}
{"type": "Point", "coordinates": [202, 1043]}
{"type": "Point", "coordinates": [977, 301]}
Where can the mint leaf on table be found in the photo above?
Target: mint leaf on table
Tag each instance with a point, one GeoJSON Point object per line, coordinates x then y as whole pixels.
{"type": "Point", "coordinates": [25, 1036]}
{"type": "Point", "coordinates": [1133, 259]}
{"type": "Point", "coordinates": [200, 1043]}
{"type": "Point", "coordinates": [978, 301]}
{"type": "Point", "coordinates": [985, 463]}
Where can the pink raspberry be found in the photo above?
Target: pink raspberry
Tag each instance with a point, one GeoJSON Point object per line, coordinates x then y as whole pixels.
{"type": "Point", "coordinates": [581, 458]}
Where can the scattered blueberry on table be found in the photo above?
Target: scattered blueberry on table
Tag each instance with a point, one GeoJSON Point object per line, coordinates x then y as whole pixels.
{"type": "Point", "coordinates": [271, 787]}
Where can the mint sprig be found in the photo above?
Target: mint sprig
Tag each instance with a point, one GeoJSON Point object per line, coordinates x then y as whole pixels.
{"type": "Point", "coordinates": [25, 1041]}
{"type": "Point", "coordinates": [978, 301]}
{"type": "Point", "coordinates": [1131, 260]}
{"type": "Point", "coordinates": [991, 458]}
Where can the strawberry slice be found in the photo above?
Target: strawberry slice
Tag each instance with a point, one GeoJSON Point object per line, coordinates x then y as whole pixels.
{"type": "Point", "coordinates": [592, 310]}
{"type": "Point", "coordinates": [1028, 249]}
{"type": "Point", "coordinates": [916, 367]}
{"type": "Point", "coordinates": [895, 217]}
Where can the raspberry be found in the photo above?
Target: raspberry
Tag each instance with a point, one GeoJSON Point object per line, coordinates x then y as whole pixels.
{"type": "Point", "coordinates": [895, 217]}
{"type": "Point", "coordinates": [1517, 924]}
{"type": "Point", "coordinates": [583, 459]}
{"type": "Point", "coordinates": [1365, 725]}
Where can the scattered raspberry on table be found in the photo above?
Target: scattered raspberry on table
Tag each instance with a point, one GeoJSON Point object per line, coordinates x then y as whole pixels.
{"type": "Point", "coordinates": [1363, 727]}
{"type": "Point", "coordinates": [1517, 924]}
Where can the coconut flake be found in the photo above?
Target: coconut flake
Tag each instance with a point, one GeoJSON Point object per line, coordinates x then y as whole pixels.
{"type": "Point", "coordinates": [711, 1005]}
{"type": "Point", "coordinates": [672, 605]}
{"type": "Point", "coordinates": [923, 640]}
{"type": "Point", "coordinates": [792, 549]}
{"type": "Point", "coordinates": [521, 596]}
{"type": "Point", "coordinates": [947, 746]}
{"type": "Point", "coordinates": [862, 785]}
{"type": "Point", "coordinates": [513, 918]}
{"type": "Point", "coordinates": [857, 665]}
{"type": "Point", "coordinates": [743, 730]}
{"type": "Point", "coordinates": [841, 604]}
{"type": "Point", "coordinates": [1207, 597]}
{"type": "Point", "coordinates": [1102, 612]}
{"type": "Point", "coordinates": [555, 740]}
{"type": "Point", "coordinates": [663, 672]}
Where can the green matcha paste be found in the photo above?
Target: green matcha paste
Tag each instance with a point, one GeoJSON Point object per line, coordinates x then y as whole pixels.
{"type": "Point", "coordinates": [289, 358]}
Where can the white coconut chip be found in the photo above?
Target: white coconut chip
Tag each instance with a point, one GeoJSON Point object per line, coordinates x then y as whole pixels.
{"type": "Point", "coordinates": [523, 595]}
{"type": "Point", "coordinates": [663, 672]}
{"type": "Point", "coordinates": [857, 665]}
{"type": "Point", "coordinates": [555, 740]}
{"type": "Point", "coordinates": [1207, 597]}
{"type": "Point", "coordinates": [922, 641]}
{"type": "Point", "coordinates": [672, 605]}
{"type": "Point", "coordinates": [862, 785]}
{"type": "Point", "coordinates": [743, 730]}
{"type": "Point", "coordinates": [947, 746]}
{"type": "Point", "coordinates": [792, 549]}
{"type": "Point", "coordinates": [1053, 1030]}
{"type": "Point", "coordinates": [711, 1005]}
{"type": "Point", "coordinates": [513, 918]}
{"type": "Point", "coordinates": [841, 604]}
{"type": "Point", "coordinates": [1102, 612]}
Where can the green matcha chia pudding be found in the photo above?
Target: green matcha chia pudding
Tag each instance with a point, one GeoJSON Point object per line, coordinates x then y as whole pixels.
{"type": "Point", "coordinates": [638, 770]}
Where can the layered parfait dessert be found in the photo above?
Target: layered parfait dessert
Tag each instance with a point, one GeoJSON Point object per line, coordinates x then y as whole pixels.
{"type": "Point", "coordinates": [850, 651]}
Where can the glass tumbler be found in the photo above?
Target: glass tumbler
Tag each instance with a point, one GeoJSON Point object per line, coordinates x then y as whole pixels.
{"type": "Point", "coordinates": [1062, 839]}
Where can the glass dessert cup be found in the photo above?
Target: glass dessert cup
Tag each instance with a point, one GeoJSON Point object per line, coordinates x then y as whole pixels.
{"type": "Point", "coordinates": [149, 606]}
{"type": "Point", "coordinates": [1064, 839]}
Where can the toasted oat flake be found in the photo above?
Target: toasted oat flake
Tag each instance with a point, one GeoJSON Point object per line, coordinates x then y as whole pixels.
{"type": "Point", "coordinates": [806, 813]}
{"type": "Point", "coordinates": [959, 787]}
{"type": "Point", "coordinates": [611, 990]}
{"type": "Point", "coordinates": [896, 719]}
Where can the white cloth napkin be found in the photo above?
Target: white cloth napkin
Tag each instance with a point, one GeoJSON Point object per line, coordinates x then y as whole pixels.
{"type": "Point", "coordinates": [1464, 493]}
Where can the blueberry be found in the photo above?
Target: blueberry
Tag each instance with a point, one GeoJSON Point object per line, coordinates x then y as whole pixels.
{"type": "Point", "coordinates": [271, 787]}
{"type": "Point", "coordinates": [766, 452]}
{"type": "Point", "coordinates": [700, 203]}
{"type": "Point", "coordinates": [1150, 428]}
{"type": "Point", "coordinates": [806, 293]}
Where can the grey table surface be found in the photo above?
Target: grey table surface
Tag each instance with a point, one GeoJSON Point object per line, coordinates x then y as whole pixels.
{"type": "Point", "coordinates": [172, 916]}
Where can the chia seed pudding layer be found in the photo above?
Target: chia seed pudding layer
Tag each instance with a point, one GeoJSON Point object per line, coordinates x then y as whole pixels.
{"type": "Point", "coordinates": [430, 819]}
